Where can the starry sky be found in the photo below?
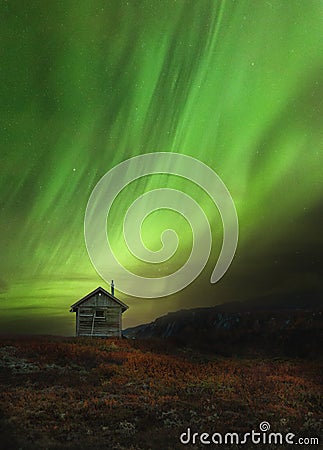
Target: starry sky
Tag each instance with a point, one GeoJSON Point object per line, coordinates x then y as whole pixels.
{"type": "Point", "coordinates": [86, 85]}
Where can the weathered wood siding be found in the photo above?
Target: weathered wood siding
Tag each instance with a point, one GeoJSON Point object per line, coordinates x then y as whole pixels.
{"type": "Point", "coordinates": [88, 324]}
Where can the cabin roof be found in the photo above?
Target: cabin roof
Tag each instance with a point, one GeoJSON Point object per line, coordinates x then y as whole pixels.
{"type": "Point", "coordinates": [99, 289]}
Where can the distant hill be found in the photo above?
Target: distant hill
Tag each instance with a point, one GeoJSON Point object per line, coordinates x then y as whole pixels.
{"type": "Point", "coordinates": [271, 326]}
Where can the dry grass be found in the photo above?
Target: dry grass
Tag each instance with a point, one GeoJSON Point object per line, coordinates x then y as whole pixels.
{"type": "Point", "coordinates": [79, 393]}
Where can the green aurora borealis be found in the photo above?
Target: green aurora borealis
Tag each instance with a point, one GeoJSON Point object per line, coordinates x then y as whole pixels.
{"type": "Point", "coordinates": [86, 85]}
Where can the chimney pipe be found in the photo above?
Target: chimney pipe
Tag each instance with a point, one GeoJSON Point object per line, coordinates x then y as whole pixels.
{"type": "Point", "coordinates": [112, 287]}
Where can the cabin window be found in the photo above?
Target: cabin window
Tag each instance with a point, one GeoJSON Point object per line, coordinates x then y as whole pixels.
{"type": "Point", "coordinates": [99, 313]}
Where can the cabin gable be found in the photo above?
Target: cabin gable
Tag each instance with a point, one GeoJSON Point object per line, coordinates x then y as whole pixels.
{"type": "Point", "coordinates": [99, 300]}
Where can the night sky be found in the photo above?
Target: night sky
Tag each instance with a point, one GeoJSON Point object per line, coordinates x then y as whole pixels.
{"type": "Point", "coordinates": [86, 85]}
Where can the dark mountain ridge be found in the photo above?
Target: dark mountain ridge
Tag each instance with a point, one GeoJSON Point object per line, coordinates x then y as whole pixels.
{"type": "Point", "coordinates": [256, 328]}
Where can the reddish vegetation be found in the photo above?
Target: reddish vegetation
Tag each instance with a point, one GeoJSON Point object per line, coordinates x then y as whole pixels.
{"type": "Point", "coordinates": [83, 393]}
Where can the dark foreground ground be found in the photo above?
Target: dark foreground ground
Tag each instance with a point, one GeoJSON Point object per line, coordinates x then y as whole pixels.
{"type": "Point", "coordinates": [68, 393]}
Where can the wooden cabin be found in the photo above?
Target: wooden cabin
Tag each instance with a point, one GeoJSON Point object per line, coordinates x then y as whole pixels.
{"type": "Point", "coordinates": [99, 314]}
